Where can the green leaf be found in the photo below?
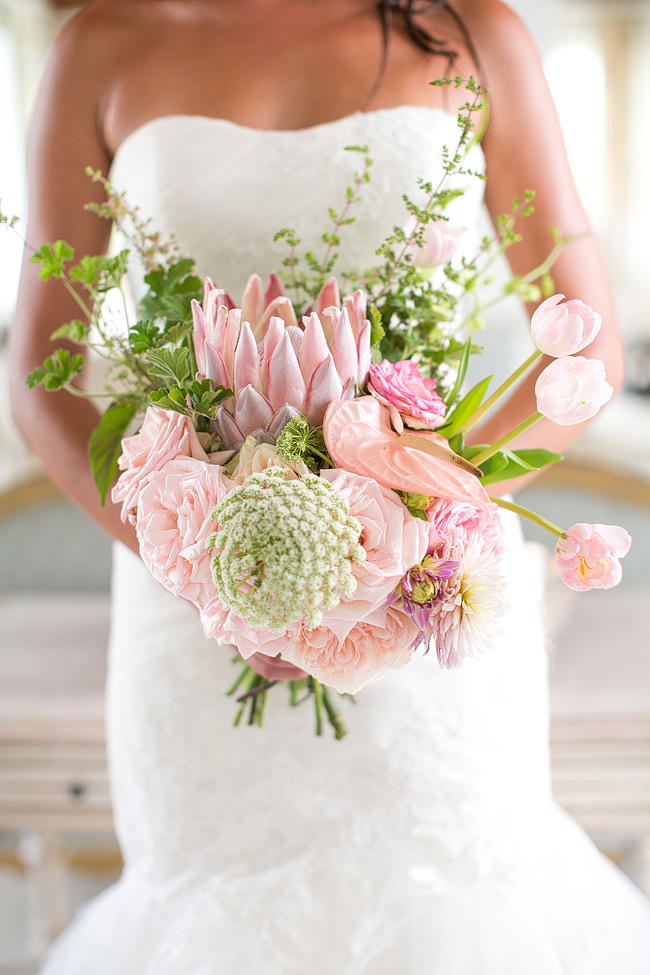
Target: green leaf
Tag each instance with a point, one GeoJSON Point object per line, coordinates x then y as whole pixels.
{"type": "Point", "coordinates": [99, 272]}
{"type": "Point", "coordinates": [75, 331]}
{"type": "Point", "coordinates": [466, 407]}
{"type": "Point", "coordinates": [177, 331]}
{"type": "Point", "coordinates": [57, 370]}
{"type": "Point", "coordinates": [105, 444]}
{"type": "Point", "coordinates": [452, 395]}
{"type": "Point", "coordinates": [144, 335]}
{"type": "Point", "coordinates": [53, 259]}
{"type": "Point", "coordinates": [171, 365]}
{"type": "Point", "coordinates": [170, 399]}
{"type": "Point", "coordinates": [35, 377]}
{"type": "Point", "coordinates": [506, 464]}
{"type": "Point", "coordinates": [377, 330]}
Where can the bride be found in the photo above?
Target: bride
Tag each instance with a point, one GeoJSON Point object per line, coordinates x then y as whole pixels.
{"type": "Point", "coordinates": [427, 841]}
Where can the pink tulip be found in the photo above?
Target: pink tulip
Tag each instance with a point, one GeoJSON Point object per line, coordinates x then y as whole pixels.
{"type": "Point", "coordinates": [588, 557]}
{"type": "Point", "coordinates": [572, 389]}
{"type": "Point", "coordinates": [276, 368]}
{"type": "Point", "coordinates": [561, 327]}
{"type": "Point", "coordinates": [440, 243]}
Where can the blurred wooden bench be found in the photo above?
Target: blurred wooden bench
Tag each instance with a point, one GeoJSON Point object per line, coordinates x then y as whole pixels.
{"type": "Point", "coordinates": [53, 777]}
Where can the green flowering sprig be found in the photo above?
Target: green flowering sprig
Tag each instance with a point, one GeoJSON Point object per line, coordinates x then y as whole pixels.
{"type": "Point", "coordinates": [306, 275]}
{"type": "Point", "coordinates": [300, 441]}
{"type": "Point", "coordinates": [152, 360]}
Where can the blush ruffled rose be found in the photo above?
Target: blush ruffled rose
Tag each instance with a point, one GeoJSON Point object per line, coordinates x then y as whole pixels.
{"type": "Point", "coordinates": [163, 436]}
{"type": "Point", "coordinates": [392, 539]}
{"type": "Point", "coordinates": [174, 523]}
{"type": "Point", "coordinates": [589, 556]}
{"type": "Point", "coordinates": [384, 641]}
{"type": "Point", "coordinates": [408, 394]}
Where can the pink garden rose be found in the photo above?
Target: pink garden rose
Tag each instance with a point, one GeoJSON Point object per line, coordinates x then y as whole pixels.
{"type": "Point", "coordinates": [561, 327]}
{"type": "Point", "coordinates": [588, 558]}
{"type": "Point", "coordinates": [393, 541]}
{"type": "Point", "coordinates": [384, 641]}
{"type": "Point", "coordinates": [163, 436]}
{"type": "Point", "coordinates": [173, 525]}
{"type": "Point", "coordinates": [408, 394]}
{"type": "Point", "coordinates": [572, 389]}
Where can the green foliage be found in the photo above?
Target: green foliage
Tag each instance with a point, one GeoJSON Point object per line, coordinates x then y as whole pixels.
{"type": "Point", "coordinates": [144, 335]}
{"type": "Point", "coordinates": [463, 364]}
{"type": "Point", "coordinates": [300, 441]}
{"type": "Point", "coordinates": [465, 408]}
{"type": "Point", "coordinates": [98, 273]}
{"type": "Point", "coordinates": [58, 370]}
{"type": "Point", "coordinates": [52, 259]}
{"type": "Point", "coordinates": [105, 444]}
{"type": "Point", "coordinates": [172, 366]}
{"type": "Point", "coordinates": [416, 504]}
{"type": "Point", "coordinates": [171, 291]}
{"type": "Point", "coordinates": [197, 399]}
{"type": "Point", "coordinates": [75, 331]}
{"type": "Point", "coordinates": [506, 464]}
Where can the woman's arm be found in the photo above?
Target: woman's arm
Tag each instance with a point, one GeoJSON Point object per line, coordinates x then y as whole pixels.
{"type": "Point", "coordinates": [65, 137]}
{"type": "Point", "coordinates": [525, 150]}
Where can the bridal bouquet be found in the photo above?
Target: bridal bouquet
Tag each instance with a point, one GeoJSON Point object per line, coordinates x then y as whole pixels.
{"type": "Point", "coordinates": [297, 467]}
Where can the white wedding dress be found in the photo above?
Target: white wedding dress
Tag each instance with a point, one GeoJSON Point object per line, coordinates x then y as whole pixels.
{"type": "Point", "coordinates": [426, 842]}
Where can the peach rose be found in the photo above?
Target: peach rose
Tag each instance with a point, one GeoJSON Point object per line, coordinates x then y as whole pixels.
{"type": "Point", "coordinates": [164, 435]}
{"type": "Point", "coordinates": [384, 641]}
{"type": "Point", "coordinates": [394, 541]}
{"type": "Point", "coordinates": [255, 457]}
{"type": "Point", "coordinates": [173, 525]}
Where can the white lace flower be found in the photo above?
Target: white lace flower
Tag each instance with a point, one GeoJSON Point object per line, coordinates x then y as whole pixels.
{"type": "Point", "coordinates": [284, 549]}
{"type": "Point", "coordinates": [465, 618]}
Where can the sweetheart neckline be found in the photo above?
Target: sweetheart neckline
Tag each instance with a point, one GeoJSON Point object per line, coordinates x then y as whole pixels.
{"type": "Point", "coordinates": [158, 120]}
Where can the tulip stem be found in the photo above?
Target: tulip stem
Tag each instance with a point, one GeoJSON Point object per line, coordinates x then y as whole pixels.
{"type": "Point", "coordinates": [478, 459]}
{"type": "Point", "coordinates": [499, 391]}
{"type": "Point", "coordinates": [531, 516]}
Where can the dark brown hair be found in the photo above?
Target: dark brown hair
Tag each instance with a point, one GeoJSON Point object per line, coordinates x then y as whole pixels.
{"type": "Point", "coordinates": [410, 11]}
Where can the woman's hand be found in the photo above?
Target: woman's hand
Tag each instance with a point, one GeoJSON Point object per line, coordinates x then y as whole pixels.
{"type": "Point", "coordinates": [274, 668]}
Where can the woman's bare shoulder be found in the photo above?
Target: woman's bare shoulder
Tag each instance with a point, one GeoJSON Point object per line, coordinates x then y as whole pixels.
{"type": "Point", "coordinates": [497, 31]}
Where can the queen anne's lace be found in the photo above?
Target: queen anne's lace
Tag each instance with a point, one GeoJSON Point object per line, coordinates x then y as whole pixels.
{"type": "Point", "coordinates": [284, 549]}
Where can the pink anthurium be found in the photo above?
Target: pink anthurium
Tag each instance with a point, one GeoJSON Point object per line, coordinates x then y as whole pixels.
{"type": "Point", "coordinates": [360, 438]}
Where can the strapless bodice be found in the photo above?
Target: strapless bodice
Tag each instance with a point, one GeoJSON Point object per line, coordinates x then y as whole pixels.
{"type": "Point", "coordinates": [225, 189]}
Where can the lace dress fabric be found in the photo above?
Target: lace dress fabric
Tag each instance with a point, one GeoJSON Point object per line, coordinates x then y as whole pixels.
{"type": "Point", "coordinates": [427, 841]}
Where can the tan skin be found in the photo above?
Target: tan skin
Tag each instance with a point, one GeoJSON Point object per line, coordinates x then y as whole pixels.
{"type": "Point", "coordinates": [275, 64]}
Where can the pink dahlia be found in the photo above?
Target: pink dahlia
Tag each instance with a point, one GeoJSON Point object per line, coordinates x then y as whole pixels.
{"type": "Point", "coordinates": [465, 619]}
{"type": "Point", "coordinates": [446, 518]}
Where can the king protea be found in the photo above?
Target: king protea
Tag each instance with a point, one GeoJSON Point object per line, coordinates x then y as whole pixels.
{"type": "Point", "coordinates": [276, 367]}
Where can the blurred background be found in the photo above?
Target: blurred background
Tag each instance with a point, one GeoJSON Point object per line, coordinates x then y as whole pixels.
{"type": "Point", "coordinates": [56, 844]}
